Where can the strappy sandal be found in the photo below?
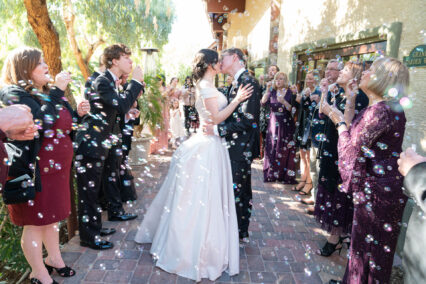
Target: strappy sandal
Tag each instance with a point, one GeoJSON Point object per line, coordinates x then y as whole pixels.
{"type": "Point", "coordinates": [65, 271]}
{"type": "Point", "coordinates": [303, 192]}
{"type": "Point", "coordinates": [298, 187]}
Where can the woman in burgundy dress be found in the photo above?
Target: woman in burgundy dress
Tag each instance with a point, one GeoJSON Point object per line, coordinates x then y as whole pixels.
{"type": "Point", "coordinates": [47, 158]}
{"type": "Point", "coordinates": [280, 150]}
{"type": "Point", "coordinates": [333, 208]}
{"type": "Point", "coordinates": [368, 154]}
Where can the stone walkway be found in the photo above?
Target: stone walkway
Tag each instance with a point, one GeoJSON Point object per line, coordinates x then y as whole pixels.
{"type": "Point", "coordinates": [281, 249]}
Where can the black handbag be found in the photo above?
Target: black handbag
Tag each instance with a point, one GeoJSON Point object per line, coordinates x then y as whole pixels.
{"type": "Point", "coordinates": [19, 190]}
{"type": "Point", "coordinates": [22, 188]}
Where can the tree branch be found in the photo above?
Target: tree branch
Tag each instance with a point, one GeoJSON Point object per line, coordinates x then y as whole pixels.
{"type": "Point", "coordinates": [69, 19]}
{"type": "Point", "coordinates": [92, 49]}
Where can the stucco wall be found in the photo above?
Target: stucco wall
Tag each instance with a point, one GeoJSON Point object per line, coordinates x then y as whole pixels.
{"type": "Point", "coordinates": [308, 21]}
{"type": "Point", "coordinates": [251, 29]}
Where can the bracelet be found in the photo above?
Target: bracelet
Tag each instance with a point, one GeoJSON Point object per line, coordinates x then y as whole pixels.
{"type": "Point", "coordinates": [340, 124]}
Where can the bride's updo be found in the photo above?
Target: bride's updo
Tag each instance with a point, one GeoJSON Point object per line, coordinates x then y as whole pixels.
{"type": "Point", "coordinates": [202, 60]}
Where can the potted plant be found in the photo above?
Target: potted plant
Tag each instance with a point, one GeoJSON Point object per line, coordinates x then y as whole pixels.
{"type": "Point", "coordinates": [150, 106]}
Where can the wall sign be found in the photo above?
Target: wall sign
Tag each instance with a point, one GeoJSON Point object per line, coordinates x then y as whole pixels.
{"type": "Point", "coordinates": [417, 57]}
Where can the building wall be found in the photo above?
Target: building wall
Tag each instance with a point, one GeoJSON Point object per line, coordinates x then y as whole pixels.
{"type": "Point", "coordinates": [251, 29]}
{"type": "Point", "coordinates": [306, 21]}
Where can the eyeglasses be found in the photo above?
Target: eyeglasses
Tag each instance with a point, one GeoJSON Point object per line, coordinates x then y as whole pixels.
{"type": "Point", "coordinates": [332, 69]}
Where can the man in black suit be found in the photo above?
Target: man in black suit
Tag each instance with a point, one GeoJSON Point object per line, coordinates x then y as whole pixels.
{"type": "Point", "coordinates": [100, 132]}
{"type": "Point", "coordinates": [241, 132]}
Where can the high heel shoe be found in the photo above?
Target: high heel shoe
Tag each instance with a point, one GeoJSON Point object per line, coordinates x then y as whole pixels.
{"type": "Point", "coordinates": [36, 281]}
{"type": "Point", "coordinates": [65, 271]}
{"type": "Point", "coordinates": [308, 192]}
{"type": "Point", "coordinates": [299, 186]}
{"type": "Point", "coordinates": [330, 248]}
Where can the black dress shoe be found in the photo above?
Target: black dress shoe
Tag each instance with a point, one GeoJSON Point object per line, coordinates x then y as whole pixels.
{"type": "Point", "coordinates": [98, 245]}
{"type": "Point", "coordinates": [107, 231]}
{"type": "Point", "coordinates": [122, 217]}
{"type": "Point", "coordinates": [332, 281]}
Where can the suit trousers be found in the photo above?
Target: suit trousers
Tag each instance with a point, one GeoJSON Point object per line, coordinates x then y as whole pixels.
{"type": "Point", "coordinates": [186, 112]}
{"type": "Point", "coordinates": [241, 175]}
{"type": "Point", "coordinates": [89, 178]}
{"type": "Point", "coordinates": [111, 181]}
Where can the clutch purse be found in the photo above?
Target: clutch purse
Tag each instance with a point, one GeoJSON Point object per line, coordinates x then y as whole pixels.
{"type": "Point", "coordinates": [19, 190]}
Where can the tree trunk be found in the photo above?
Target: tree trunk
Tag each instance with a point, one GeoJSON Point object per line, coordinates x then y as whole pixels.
{"type": "Point", "coordinates": [38, 17]}
{"type": "Point", "coordinates": [69, 18]}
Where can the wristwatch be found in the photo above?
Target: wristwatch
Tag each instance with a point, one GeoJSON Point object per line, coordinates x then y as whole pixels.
{"type": "Point", "coordinates": [340, 124]}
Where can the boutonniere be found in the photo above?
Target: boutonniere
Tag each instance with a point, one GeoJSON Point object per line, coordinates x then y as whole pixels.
{"type": "Point", "coordinates": [120, 88]}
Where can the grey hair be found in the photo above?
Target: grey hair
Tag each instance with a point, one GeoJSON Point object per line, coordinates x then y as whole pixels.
{"type": "Point", "coordinates": [340, 65]}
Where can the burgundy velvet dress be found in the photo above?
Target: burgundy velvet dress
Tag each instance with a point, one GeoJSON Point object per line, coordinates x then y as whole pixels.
{"type": "Point", "coordinates": [53, 203]}
{"type": "Point", "coordinates": [280, 150]}
{"type": "Point", "coordinates": [368, 155]}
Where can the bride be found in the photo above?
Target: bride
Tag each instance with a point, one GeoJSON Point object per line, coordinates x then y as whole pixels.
{"type": "Point", "coordinates": [192, 222]}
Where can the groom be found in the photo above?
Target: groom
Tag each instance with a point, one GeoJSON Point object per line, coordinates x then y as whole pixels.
{"type": "Point", "coordinates": [241, 132]}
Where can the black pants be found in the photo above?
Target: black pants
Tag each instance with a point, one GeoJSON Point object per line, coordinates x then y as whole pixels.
{"type": "Point", "coordinates": [89, 178]}
{"type": "Point", "coordinates": [187, 111]}
{"type": "Point", "coordinates": [111, 181]}
{"type": "Point", "coordinates": [241, 175]}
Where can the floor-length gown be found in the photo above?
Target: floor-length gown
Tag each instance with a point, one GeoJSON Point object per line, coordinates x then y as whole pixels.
{"type": "Point", "coordinates": [280, 150]}
{"type": "Point", "coordinates": [192, 222]}
{"type": "Point", "coordinates": [368, 155]}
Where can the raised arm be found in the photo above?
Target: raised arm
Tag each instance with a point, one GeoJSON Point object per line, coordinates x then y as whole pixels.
{"type": "Point", "coordinates": [109, 96]}
{"type": "Point", "coordinates": [217, 116]}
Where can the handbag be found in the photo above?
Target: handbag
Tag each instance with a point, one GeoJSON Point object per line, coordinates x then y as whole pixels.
{"type": "Point", "coordinates": [22, 188]}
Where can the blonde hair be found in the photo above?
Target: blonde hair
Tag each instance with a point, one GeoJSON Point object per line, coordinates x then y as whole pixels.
{"type": "Point", "coordinates": [19, 65]}
{"type": "Point", "coordinates": [280, 73]}
{"type": "Point", "coordinates": [388, 73]}
{"type": "Point", "coordinates": [356, 70]}
{"type": "Point", "coordinates": [173, 102]}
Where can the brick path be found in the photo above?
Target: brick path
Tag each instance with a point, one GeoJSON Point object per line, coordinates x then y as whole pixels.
{"type": "Point", "coordinates": [281, 249]}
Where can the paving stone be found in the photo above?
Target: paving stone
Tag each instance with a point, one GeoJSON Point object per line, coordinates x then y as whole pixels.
{"type": "Point", "coordinates": [262, 277]}
{"type": "Point", "coordinates": [255, 263]}
{"type": "Point", "coordinates": [95, 275]}
{"type": "Point", "coordinates": [117, 277]}
{"type": "Point", "coordinates": [106, 264]}
{"type": "Point", "coordinates": [161, 276]}
{"type": "Point", "coordinates": [141, 274]}
{"type": "Point", "coordinates": [127, 265]}
{"type": "Point", "coordinates": [280, 236]}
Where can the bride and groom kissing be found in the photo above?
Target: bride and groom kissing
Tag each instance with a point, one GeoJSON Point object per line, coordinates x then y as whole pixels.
{"type": "Point", "coordinates": [203, 207]}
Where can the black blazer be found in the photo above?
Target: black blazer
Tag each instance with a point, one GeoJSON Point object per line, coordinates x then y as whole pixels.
{"type": "Point", "coordinates": [241, 128]}
{"type": "Point", "coordinates": [101, 129]}
{"type": "Point", "coordinates": [45, 114]}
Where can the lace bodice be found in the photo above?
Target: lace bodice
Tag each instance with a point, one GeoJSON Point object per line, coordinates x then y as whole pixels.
{"type": "Point", "coordinates": [204, 92]}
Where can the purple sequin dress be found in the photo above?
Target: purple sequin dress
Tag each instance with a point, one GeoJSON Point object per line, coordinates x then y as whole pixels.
{"type": "Point", "coordinates": [368, 155]}
{"type": "Point", "coordinates": [280, 150]}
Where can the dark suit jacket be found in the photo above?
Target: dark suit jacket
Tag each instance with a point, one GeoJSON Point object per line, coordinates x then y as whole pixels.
{"type": "Point", "coordinates": [101, 129]}
{"type": "Point", "coordinates": [241, 128]}
{"type": "Point", "coordinates": [45, 112]}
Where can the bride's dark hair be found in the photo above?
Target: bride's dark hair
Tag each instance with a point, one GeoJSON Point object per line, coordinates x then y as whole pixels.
{"type": "Point", "coordinates": [202, 60]}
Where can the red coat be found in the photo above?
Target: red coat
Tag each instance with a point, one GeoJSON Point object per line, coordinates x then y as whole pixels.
{"type": "Point", "coordinates": [3, 155]}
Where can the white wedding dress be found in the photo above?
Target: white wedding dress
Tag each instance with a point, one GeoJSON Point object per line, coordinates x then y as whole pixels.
{"type": "Point", "coordinates": [192, 222]}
